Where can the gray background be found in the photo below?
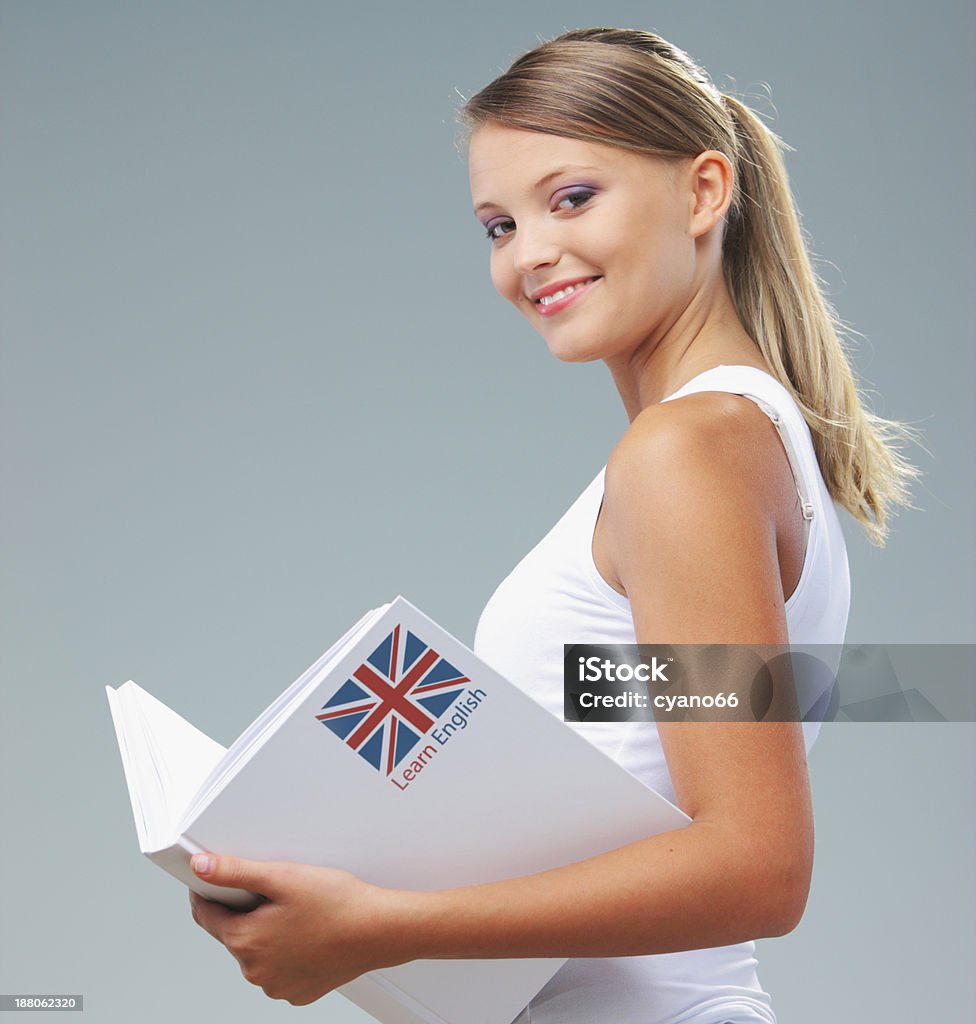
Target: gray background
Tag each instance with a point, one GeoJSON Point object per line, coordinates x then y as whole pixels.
{"type": "Point", "coordinates": [255, 380]}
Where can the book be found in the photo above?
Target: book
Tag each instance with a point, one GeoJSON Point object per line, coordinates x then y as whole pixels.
{"type": "Point", "coordinates": [403, 758]}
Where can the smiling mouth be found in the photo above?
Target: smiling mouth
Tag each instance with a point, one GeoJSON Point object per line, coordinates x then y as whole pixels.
{"type": "Point", "coordinates": [549, 305]}
{"type": "Point", "coordinates": [548, 300]}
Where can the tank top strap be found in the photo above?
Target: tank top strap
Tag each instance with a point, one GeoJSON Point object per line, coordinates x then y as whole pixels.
{"type": "Point", "coordinates": [779, 405]}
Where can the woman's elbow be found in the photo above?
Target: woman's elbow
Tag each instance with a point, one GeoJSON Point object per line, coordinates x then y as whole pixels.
{"type": "Point", "coordinates": [785, 888]}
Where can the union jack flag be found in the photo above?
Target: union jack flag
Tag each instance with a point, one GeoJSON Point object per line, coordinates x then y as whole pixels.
{"type": "Point", "coordinates": [392, 699]}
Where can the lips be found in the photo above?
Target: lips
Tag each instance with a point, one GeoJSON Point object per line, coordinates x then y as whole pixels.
{"type": "Point", "coordinates": [555, 297]}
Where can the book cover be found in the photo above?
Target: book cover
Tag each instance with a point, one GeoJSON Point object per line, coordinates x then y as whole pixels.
{"type": "Point", "coordinates": [403, 758]}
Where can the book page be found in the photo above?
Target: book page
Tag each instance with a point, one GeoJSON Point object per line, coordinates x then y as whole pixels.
{"type": "Point", "coordinates": [179, 755]}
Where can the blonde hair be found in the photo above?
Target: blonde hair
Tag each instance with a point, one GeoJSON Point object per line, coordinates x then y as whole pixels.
{"type": "Point", "coordinates": [632, 89]}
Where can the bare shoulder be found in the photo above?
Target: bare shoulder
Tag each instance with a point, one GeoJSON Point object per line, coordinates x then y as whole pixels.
{"type": "Point", "coordinates": [726, 430]}
{"type": "Point", "coordinates": [692, 495]}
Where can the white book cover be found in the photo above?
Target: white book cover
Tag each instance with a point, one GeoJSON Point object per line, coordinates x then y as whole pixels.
{"type": "Point", "coordinates": [403, 758]}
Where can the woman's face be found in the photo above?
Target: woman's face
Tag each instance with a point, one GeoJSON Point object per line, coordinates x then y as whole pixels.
{"type": "Point", "coordinates": [592, 243]}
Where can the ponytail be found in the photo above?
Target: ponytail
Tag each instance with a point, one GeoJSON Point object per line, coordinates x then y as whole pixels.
{"type": "Point", "coordinates": [780, 302]}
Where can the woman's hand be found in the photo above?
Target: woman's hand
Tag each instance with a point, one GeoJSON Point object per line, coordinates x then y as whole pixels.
{"type": "Point", "coordinates": [319, 928]}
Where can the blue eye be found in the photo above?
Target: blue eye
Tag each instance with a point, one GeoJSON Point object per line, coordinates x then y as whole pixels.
{"type": "Point", "coordinates": [495, 229]}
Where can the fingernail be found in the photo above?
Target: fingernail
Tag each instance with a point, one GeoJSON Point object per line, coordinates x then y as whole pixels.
{"type": "Point", "coordinates": [202, 864]}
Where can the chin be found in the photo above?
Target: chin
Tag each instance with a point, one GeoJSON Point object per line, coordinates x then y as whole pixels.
{"type": "Point", "coordinates": [568, 351]}
{"type": "Point", "coordinates": [573, 355]}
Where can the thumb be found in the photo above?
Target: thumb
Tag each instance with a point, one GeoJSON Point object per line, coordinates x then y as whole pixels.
{"type": "Point", "coordinates": [233, 872]}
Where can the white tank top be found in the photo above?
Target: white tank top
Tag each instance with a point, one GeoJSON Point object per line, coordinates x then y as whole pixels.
{"type": "Point", "coordinates": [556, 595]}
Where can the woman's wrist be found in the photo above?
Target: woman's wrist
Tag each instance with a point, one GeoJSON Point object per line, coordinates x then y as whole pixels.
{"type": "Point", "coordinates": [402, 925]}
{"type": "Point", "coordinates": [430, 925]}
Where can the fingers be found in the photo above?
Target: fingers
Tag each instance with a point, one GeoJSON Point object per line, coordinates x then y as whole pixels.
{"type": "Point", "coordinates": [212, 917]}
{"type": "Point", "coordinates": [255, 876]}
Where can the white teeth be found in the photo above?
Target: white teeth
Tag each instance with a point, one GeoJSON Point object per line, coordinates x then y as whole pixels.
{"type": "Point", "coordinates": [548, 300]}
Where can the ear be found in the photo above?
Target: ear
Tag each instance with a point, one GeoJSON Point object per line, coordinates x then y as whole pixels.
{"type": "Point", "coordinates": [711, 182]}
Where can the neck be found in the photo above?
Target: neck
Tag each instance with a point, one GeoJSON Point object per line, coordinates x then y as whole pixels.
{"type": "Point", "coordinates": [707, 333]}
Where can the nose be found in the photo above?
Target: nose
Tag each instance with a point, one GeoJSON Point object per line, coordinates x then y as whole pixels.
{"type": "Point", "coordinates": [534, 248]}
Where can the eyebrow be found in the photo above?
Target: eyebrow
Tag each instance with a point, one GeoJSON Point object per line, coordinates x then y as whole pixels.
{"type": "Point", "coordinates": [544, 180]}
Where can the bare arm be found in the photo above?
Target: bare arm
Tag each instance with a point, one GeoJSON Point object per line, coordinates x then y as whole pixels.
{"type": "Point", "coordinates": [692, 540]}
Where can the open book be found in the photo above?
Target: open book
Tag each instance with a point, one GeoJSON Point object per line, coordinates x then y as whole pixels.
{"type": "Point", "coordinates": [403, 758]}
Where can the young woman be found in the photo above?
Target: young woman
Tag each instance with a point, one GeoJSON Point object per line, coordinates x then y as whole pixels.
{"type": "Point", "coordinates": [637, 216]}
